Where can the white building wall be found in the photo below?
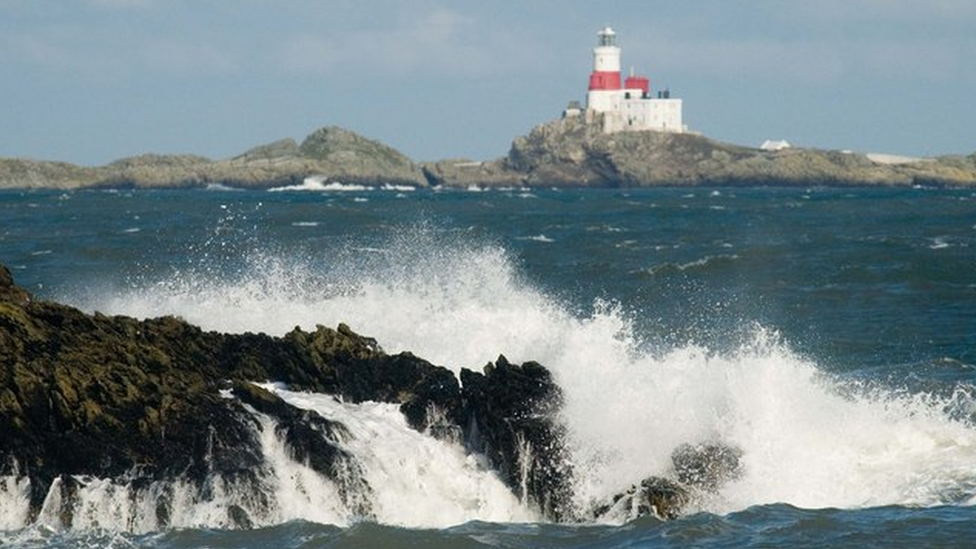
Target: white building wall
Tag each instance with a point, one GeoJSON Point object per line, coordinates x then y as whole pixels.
{"type": "Point", "coordinates": [604, 100]}
{"type": "Point", "coordinates": [639, 114]}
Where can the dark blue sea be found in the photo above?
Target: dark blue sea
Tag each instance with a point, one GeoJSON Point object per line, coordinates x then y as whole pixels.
{"type": "Point", "coordinates": [829, 334]}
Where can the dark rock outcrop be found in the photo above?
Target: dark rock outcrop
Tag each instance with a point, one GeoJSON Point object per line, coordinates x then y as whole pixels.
{"type": "Point", "coordinates": [511, 416]}
{"type": "Point", "coordinates": [315, 441]}
{"type": "Point", "coordinates": [114, 396]}
{"type": "Point", "coordinates": [108, 397]}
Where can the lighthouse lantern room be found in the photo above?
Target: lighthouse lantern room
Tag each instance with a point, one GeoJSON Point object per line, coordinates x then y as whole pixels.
{"type": "Point", "coordinates": [627, 107]}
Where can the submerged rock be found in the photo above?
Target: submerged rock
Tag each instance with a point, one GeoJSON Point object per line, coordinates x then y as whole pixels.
{"type": "Point", "coordinates": [699, 470]}
{"type": "Point", "coordinates": [654, 496]}
{"type": "Point", "coordinates": [706, 466]}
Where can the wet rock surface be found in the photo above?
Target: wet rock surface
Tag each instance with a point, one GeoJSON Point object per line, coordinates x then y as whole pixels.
{"type": "Point", "coordinates": [109, 397]}
{"type": "Point", "coordinates": [510, 415]}
{"type": "Point", "coordinates": [112, 396]}
{"type": "Point", "coordinates": [699, 470]}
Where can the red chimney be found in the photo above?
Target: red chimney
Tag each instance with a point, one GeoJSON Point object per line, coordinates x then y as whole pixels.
{"type": "Point", "coordinates": [638, 82]}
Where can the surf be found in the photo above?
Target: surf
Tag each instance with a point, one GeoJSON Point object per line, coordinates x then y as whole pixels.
{"type": "Point", "coordinates": [808, 438]}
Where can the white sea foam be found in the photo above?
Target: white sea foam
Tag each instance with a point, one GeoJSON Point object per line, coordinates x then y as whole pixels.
{"type": "Point", "coordinates": [219, 187]}
{"type": "Point", "coordinates": [807, 439]}
{"type": "Point", "coordinates": [412, 480]}
{"type": "Point", "coordinates": [319, 184]}
{"type": "Point", "coordinates": [537, 238]}
{"type": "Point", "coordinates": [398, 188]}
{"type": "Point", "coordinates": [14, 494]}
{"type": "Point", "coordinates": [417, 480]}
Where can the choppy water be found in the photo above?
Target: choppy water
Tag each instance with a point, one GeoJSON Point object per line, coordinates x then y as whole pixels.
{"type": "Point", "coordinates": [830, 334]}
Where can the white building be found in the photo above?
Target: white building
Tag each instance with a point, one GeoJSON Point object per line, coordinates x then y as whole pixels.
{"type": "Point", "coordinates": [773, 146]}
{"type": "Point", "coordinates": [630, 106]}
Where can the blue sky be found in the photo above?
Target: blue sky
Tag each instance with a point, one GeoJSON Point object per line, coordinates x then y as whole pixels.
{"type": "Point", "coordinates": [90, 81]}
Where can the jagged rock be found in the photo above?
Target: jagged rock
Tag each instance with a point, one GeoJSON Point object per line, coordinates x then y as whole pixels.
{"type": "Point", "coordinates": [239, 517]}
{"type": "Point", "coordinates": [10, 292]}
{"type": "Point", "coordinates": [147, 400]}
{"type": "Point", "coordinates": [315, 441]}
{"type": "Point", "coordinates": [511, 416]}
{"type": "Point", "coordinates": [104, 396]}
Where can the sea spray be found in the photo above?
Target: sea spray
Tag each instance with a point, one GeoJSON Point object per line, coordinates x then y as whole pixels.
{"type": "Point", "coordinates": [14, 499]}
{"type": "Point", "coordinates": [806, 439]}
{"type": "Point", "coordinates": [416, 480]}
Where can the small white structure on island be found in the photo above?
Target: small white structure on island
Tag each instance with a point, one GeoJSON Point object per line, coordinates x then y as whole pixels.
{"type": "Point", "coordinates": [773, 146]}
{"type": "Point", "coordinates": [573, 109]}
{"type": "Point", "coordinates": [630, 106]}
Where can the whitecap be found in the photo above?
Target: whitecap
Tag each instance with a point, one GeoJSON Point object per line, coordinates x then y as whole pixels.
{"type": "Point", "coordinates": [807, 439]}
{"type": "Point", "coordinates": [319, 184]}
{"type": "Point", "coordinates": [220, 187]}
{"type": "Point", "coordinates": [400, 188]}
{"type": "Point", "coordinates": [537, 238]}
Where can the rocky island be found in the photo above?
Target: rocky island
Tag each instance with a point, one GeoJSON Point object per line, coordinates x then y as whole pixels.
{"type": "Point", "coordinates": [571, 152]}
{"type": "Point", "coordinates": [567, 152]}
{"type": "Point", "coordinates": [339, 154]}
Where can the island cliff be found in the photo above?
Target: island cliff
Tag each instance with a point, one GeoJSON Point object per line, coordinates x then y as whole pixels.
{"type": "Point", "coordinates": [568, 152]}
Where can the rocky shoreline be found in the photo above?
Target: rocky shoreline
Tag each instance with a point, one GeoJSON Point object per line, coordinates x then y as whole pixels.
{"type": "Point", "coordinates": [568, 152]}
{"type": "Point", "coordinates": [159, 402]}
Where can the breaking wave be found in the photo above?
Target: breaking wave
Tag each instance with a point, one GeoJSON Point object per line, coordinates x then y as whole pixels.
{"type": "Point", "coordinates": [808, 438]}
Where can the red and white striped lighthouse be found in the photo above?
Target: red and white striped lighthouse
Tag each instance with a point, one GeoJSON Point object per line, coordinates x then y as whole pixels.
{"type": "Point", "coordinates": [606, 62]}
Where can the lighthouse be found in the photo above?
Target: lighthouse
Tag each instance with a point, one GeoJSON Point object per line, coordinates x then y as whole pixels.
{"type": "Point", "coordinates": [605, 78]}
{"type": "Point", "coordinates": [628, 106]}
